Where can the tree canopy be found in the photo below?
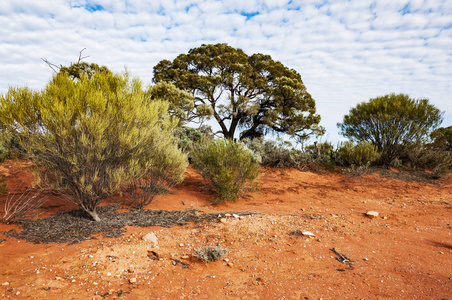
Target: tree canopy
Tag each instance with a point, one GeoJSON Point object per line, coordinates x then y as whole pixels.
{"type": "Point", "coordinates": [391, 122]}
{"type": "Point", "coordinates": [253, 92]}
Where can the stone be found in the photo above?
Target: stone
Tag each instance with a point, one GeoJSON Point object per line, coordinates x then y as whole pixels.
{"type": "Point", "coordinates": [227, 215]}
{"type": "Point", "coordinates": [132, 280]}
{"type": "Point", "coordinates": [372, 214]}
{"type": "Point", "coordinates": [5, 283]}
{"type": "Point", "coordinates": [241, 218]}
{"type": "Point", "coordinates": [235, 216]}
{"type": "Point", "coordinates": [223, 220]}
{"type": "Point", "coordinates": [151, 238]}
{"type": "Point", "coordinates": [307, 233]}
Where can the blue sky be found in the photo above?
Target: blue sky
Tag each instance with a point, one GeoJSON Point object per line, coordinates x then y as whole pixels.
{"type": "Point", "coordinates": [346, 51]}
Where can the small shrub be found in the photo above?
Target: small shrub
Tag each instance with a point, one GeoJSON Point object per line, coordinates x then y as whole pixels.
{"type": "Point", "coordinates": [360, 155]}
{"type": "Point", "coordinates": [435, 159]}
{"type": "Point", "coordinates": [228, 166]}
{"type": "Point", "coordinates": [168, 165]}
{"type": "Point", "coordinates": [276, 156]}
{"type": "Point", "coordinates": [188, 136]}
{"type": "Point", "coordinates": [209, 253]}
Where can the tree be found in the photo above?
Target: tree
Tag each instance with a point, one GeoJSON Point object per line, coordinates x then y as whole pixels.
{"type": "Point", "coordinates": [91, 135]}
{"type": "Point", "coordinates": [253, 92]}
{"type": "Point", "coordinates": [391, 122]}
{"type": "Point", "coordinates": [442, 138]}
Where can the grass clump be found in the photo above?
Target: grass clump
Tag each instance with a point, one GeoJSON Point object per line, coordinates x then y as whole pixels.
{"type": "Point", "coordinates": [210, 253]}
{"type": "Point", "coordinates": [229, 167]}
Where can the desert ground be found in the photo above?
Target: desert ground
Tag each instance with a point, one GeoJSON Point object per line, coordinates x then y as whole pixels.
{"type": "Point", "coordinates": [403, 253]}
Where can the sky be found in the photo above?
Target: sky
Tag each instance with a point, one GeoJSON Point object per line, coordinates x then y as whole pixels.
{"type": "Point", "coordinates": [347, 52]}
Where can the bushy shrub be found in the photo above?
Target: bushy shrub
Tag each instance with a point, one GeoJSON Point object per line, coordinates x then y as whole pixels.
{"type": "Point", "coordinates": [228, 166]}
{"type": "Point", "coordinates": [89, 135]}
{"type": "Point", "coordinates": [276, 156]}
{"type": "Point", "coordinates": [391, 122]}
{"type": "Point", "coordinates": [209, 253]}
{"type": "Point", "coordinates": [429, 157]}
{"type": "Point", "coordinates": [362, 154]}
{"type": "Point", "coordinates": [188, 136]}
{"type": "Point", "coordinates": [166, 166]}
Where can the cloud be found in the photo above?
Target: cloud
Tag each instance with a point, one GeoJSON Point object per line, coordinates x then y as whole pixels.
{"type": "Point", "coordinates": [346, 51]}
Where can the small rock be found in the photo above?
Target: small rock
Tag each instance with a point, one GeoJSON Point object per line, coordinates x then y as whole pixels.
{"type": "Point", "coordinates": [229, 264]}
{"type": "Point", "coordinates": [181, 245]}
{"type": "Point", "coordinates": [307, 233]}
{"type": "Point", "coordinates": [132, 280]}
{"type": "Point", "coordinates": [302, 209]}
{"type": "Point", "coordinates": [95, 283]}
{"type": "Point", "coordinates": [151, 238]}
{"type": "Point", "coordinates": [185, 257]}
{"type": "Point", "coordinates": [5, 283]}
{"type": "Point", "coordinates": [241, 218]}
{"type": "Point", "coordinates": [227, 215]}
{"type": "Point", "coordinates": [385, 218]}
{"type": "Point", "coordinates": [372, 214]}
{"type": "Point", "coordinates": [365, 259]}
{"type": "Point", "coordinates": [223, 220]}
{"type": "Point", "coordinates": [235, 216]}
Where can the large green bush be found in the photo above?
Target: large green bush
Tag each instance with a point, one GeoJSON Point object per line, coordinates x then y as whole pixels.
{"type": "Point", "coordinates": [228, 166]}
{"type": "Point", "coordinates": [391, 122]}
{"type": "Point", "coordinates": [89, 134]}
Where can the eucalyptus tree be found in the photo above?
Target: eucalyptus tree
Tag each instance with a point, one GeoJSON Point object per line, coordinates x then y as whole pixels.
{"type": "Point", "coordinates": [254, 92]}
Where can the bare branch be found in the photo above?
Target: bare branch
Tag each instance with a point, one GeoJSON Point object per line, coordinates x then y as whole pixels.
{"type": "Point", "coordinates": [80, 58]}
{"type": "Point", "coordinates": [51, 65]}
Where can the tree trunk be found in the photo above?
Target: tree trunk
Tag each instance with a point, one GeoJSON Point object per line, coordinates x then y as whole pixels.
{"type": "Point", "coordinates": [94, 215]}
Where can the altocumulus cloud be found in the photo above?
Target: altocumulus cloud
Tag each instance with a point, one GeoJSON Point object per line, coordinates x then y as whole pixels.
{"type": "Point", "coordinates": [345, 51]}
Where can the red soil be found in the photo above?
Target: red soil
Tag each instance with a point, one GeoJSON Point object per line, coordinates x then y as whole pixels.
{"type": "Point", "coordinates": [405, 253]}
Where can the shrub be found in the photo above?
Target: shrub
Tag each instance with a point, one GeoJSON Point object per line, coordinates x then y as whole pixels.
{"type": "Point", "coordinates": [167, 167]}
{"type": "Point", "coordinates": [437, 160]}
{"type": "Point", "coordinates": [276, 156]}
{"type": "Point", "coordinates": [89, 134]}
{"type": "Point", "coordinates": [228, 166]}
{"type": "Point", "coordinates": [391, 122]}
{"type": "Point", "coordinates": [188, 136]}
{"type": "Point", "coordinates": [359, 155]}
{"type": "Point", "coordinates": [209, 253]}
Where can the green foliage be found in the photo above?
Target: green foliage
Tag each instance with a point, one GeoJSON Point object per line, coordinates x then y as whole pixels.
{"type": "Point", "coordinates": [228, 166]}
{"type": "Point", "coordinates": [180, 102]}
{"type": "Point", "coordinates": [188, 136]}
{"type": "Point", "coordinates": [90, 135]}
{"type": "Point", "coordinates": [77, 70]}
{"type": "Point", "coordinates": [360, 155]}
{"type": "Point", "coordinates": [276, 156]}
{"type": "Point", "coordinates": [4, 152]}
{"type": "Point", "coordinates": [442, 138]}
{"type": "Point", "coordinates": [391, 122]}
{"type": "Point", "coordinates": [167, 168]}
{"type": "Point", "coordinates": [253, 92]}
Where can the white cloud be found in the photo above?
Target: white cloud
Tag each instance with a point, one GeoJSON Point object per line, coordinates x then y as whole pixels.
{"type": "Point", "coordinates": [346, 51]}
